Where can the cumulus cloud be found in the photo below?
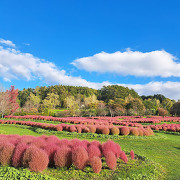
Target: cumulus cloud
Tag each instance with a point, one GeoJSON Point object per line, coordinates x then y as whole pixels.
{"type": "Point", "coordinates": [7, 43]}
{"type": "Point", "coordinates": [17, 65]}
{"type": "Point", "coordinates": [168, 89]}
{"type": "Point", "coordinates": [149, 64]}
{"type": "Point", "coordinates": [24, 66]}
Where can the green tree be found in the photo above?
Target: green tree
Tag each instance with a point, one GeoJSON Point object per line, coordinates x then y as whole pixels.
{"type": "Point", "coordinates": [51, 101]}
{"type": "Point", "coordinates": [175, 110]}
{"type": "Point", "coordinates": [167, 104]}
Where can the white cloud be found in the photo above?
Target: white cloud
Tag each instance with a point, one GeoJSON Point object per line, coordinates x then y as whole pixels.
{"type": "Point", "coordinates": [17, 65]}
{"type": "Point", "coordinates": [168, 89]}
{"type": "Point", "coordinates": [7, 43]}
{"type": "Point", "coordinates": [149, 64]}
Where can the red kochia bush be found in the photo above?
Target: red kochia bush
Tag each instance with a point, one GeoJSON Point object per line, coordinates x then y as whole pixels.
{"type": "Point", "coordinates": [80, 157]}
{"type": "Point", "coordinates": [59, 128]}
{"type": "Point", "coordinates": [146, 132]}
{"type": "Point", "coordinates": [18, 154]}
{"type": "Point", "coordinates": [6, 152]}
{"type": "Point", "coordinates": [93, 151]}
{"type": "Point", "coordinates": [150, 131]}
{"type": "Point", "coordinates": [35, 159]}
{"type": "Point", "coordinates": [132, 154]}
{"type": "Point", "coordinates": [114, 131]}
{"type": "Point", "coordinates": [111, 160]}
{"type": "Point", "coordinates": [92, 129]}
{"type": "Point", "coordinates": [111, 146]}
{"type": "Point", "coordinates": [134, 131]}
{"type": "Point", "coordinates": [63, 157]}
{"type": "Point", "coordinates": [125, 131]}
{"type": "Point", "coordinates": [123, 157]}
{"type": "Point", "coordinates": [104, 130]}
{"type": "Point", "coordinates": [50, 149]}
{"type": "Point", "coordinates": [72, 129]}
{"type": "Point", "coordinates": [140, 132]}
{"type": "Point", "coordinates": [96, 164]}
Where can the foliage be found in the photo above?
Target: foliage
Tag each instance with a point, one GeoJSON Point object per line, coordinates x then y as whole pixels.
{"type": "Point", "coordinates": [175, 110]}
{"type": "Point", "coordinates": [162, 112]}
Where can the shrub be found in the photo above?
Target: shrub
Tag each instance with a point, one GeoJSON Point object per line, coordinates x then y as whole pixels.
{"type": "Point", "coordinates": [96, 164]}
{"type": "Point", "coordinates": [105, 130]}
{"type": "Point", "coordinates": [132, 154]}
{"type": "Point", "coordinates": [50, 149]}
{"type": "Point", "coordinates": [125, 131]}
{"type": "Point", "coordinates": [111, 160]}
{"type": "Point", "coordinates": [123, 157]}
{"type": "Point", "coordinates": [92, 129]}
{"type": "Point", "coordinates": [52, 139]}
{"type": "Point", "coordinates": [26, 139]}
{"type": "Point", "coordinates": [72, 129]}
{"type": "Point", "coordinates": [134, 131]}
{"type": "Point", "coordinates": [35, 159]}
{"type": "Point", "coordinates": [114, 131]}
{"type": "Point", "coordinates": [150, 131]}
{"type": "Point", "coordinates": [146, 133]}
{"type": "Point", "coordinates": [6, 152]}
{"type": "Point", "coordinates": [140, 132]}
{"type": "Point", "coordinates": [18, 154]}
{"type": "Point", "coordinates": [162, 112]}
{"type": "Point", "coordinates": [59, 128]}
{"type": "Point", "coordinates": [93, 151]}
{"type": "Point", "coordinates": [79, 129]}
{"type": "Point", "coordinates": [80, 157]}
{"type": "Point", "coordinates": [111, 146]}
{"type": "Point", "coordinates": [38, 142]}
{"type": "Point", "coordinates": [63, 157]}
{"type": "Point", "coordinates": [85, 144]}
{"type": "Point", "coordinates": [98, 144]}
{"type": "Point", "coordinates": [164, 128]}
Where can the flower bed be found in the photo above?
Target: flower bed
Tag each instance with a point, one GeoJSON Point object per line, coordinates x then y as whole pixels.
{"type": "Point", "coordinates": [100, 129]}
{"type": "Point", "coordinates": [38, 153]}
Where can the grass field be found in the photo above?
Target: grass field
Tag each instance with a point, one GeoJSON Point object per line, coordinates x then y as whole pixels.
{"type": "Point", "coordinates": [163, 148]}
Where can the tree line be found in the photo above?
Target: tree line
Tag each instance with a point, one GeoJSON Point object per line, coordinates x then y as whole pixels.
{"type": "Point", "coordinates": [61, 100]}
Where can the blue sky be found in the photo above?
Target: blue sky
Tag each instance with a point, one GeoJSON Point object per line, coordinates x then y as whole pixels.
{"type": "Point", "coordinates": [91, 43]}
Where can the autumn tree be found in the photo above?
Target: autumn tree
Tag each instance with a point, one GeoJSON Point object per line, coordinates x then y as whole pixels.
{"type": "Point", "coordinates": [162, 112]}
{"type": "Point", "coordinates": [4, 103]}
{"type": "Point", "coordinates": [12, 94]}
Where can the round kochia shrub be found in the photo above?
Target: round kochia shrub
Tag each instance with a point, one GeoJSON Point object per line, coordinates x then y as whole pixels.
{"type": "Point", "coordinates": [124, 157]}
{"type": "Point", "coordinates": [6, 152]}
{"type": "Point", "coordinates": [18, 154]}
{"type": "Point", "coordinates": [50, 149]}
{"type": "Point", "coordinates": [134, 131]}
{"type": "Point", "coordinates": [93, 151]}
{"type": "Point", "coordinates": [140, 132]}
{"type": "Point", "coordinates": [111, 160]}
{"type": "Point", "coordinates": [104, 130]}
{"type": "Point", "coordinates": [125, 130]}
{"type": "Point", "coordinates": [63, 157]}
{"type": "Point", "coordinates": [114, 131]}
{"type": "Point", "coordinates": [96, 164]}
{"type": "Point", "coordinates": [132, 154]}
{"type": "Point", "coordinates": [111, 146]}
{"type": "Point", "coordinates": [35, 159]}
{"type": "Point", "coordinates": [61, 153]}
{"type": "Point", "coordinates": [80, 157]}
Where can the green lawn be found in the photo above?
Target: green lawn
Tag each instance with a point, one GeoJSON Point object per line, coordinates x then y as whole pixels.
{"type": "Point", "coordinates": [165, 149]}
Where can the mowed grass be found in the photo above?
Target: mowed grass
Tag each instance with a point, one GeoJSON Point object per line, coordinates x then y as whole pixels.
{"type": "Point", "coordinates": [164, 150]}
